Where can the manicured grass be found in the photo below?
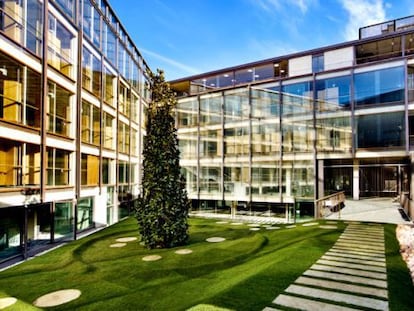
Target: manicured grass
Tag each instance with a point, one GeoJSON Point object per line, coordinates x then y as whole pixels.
{"type": "Point", "coordinates": [245, 272]}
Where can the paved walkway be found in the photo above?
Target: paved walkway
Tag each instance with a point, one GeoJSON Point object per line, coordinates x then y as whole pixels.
{"type": "Point", "coordinates": [351, 275]}
{"type": "Point", "coordinates": [383, 210]}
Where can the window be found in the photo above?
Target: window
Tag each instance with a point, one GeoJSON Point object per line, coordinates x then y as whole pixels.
{"type": "Point", "coordinates": [90, 124]}
{"type": "Point", "coordinates": [124, 102]}
{"type": "Point", "coordinates": [377, 50]}
{"type": "Point", "coordinates": [92, 23]}
{"type": "Point", "coordinates": [123, 137]}
{"type": "Point", "coordinates": [109, 87]}
{"type": "Point", "coordinates": [318, 63]}
{"type": "Point", "coordinates": [91, 72]}
{"type": "Point", "coordinates": [63, 219]}
{"type": "Point", "coordinates": [383, 86]}
{"type": "Point", "coordinates": [381, 130]}
{"type": "Point", "coordinates": [16, 80]}
{"type": "Point", "coordinates": [123, 172]}
{"type": "Point", "coordinates": [333, 92]}
{"type": "Point", "coordinates": [68, 7]}
{"type": "Point", "coordinates": [85, 214]}
{"type": "Point", "coordinates": [58, 110]}
{"type": "Point", "coordinates": [89, 170]}
{"type": "Point", "coordinates": [60, 47]}
{"type": "Point", "coordinates": [108, 130]}
{"type": "Point", "coordinates": [57, 167]}
{"type": "Point", "coordinates": [107, 171]}
{"type": "Point", "coordinates": [110, 44]}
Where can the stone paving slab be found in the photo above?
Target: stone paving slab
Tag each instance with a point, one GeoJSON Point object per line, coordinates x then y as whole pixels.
{"type": "Point", "coordinates": [366, 302]}
{"type": "Point", "coordinates": [347, 278]}
{"type": "Point", "coordinates": [362, 257]}
{"type": "Point", "coordinates": [307, 304]}
{"type": "Point", "coordinates": [369, 232]}
{"type": "Point", "coordinates": [271, 309]}
{"type": "Point", "coordinates": [348, 238]}
{"type": "Point", "coordinates": [357, 252]}
{"type": "Point", "coordinates": [361, 251]}
{"type": "Point", "coordinates": [354, 260]}
{"type": "Point", "coordinates": [360, 246]}
{"type": "Point", "coordinates": [365, 234]}
{"type": "Point", "coordinates": [335, 285]}
{"type": "Point", "coordinates": [351, 265]}
{"type": "Point", "coordinates": [368, 274]}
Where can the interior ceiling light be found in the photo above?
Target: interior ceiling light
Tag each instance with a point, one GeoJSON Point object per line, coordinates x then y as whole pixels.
{"type": "Point", "coordinates": [249, 70]}
{"type": "Point", "coordinates": [226, 75]}
{"type": "Point", "coordinates": [275, 65]}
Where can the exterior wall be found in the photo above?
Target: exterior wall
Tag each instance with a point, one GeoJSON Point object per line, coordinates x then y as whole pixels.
{"type": "Point", "coordinates": [300, 66]}
{"type": "Point", "coordinates": [71, 119]}
{"type": "Point", "coordinates": [340, 58]}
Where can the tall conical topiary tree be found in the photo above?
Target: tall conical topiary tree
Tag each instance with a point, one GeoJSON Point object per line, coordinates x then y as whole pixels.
{"type": "Point", "coordinates": [162, 209]}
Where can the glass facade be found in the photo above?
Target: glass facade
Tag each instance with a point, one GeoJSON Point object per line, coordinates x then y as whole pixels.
{"type": "Point", "coordinates": [275, 147]}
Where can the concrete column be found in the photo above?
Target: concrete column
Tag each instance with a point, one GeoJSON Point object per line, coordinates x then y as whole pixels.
{"type": "Point", "coordinates": [355, 190]}
{"type": "Point", "coordinates": [288, 182]}
{"type": "Point", "coordinates": [320, 181]}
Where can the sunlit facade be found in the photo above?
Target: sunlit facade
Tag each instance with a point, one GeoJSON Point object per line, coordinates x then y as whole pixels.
{"type": "Point", "coordinates": [73, 92]}
{"type": "Point", "coordinates": [275, 135]}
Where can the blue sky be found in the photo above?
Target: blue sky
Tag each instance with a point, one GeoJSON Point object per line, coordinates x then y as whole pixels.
{"type": "Point", "coordinates": [188, 37]}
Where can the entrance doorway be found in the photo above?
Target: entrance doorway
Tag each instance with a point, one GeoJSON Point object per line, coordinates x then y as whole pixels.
{"type": "Point", "coordinates": [386, 180]}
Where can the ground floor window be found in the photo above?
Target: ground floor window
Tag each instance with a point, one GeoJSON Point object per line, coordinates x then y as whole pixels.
{"type": "Point", "coordinates": [63, 219]}
{"type": "Point", "coordinates": [11, 225]}
{"type": "Point", "coordinates": [85, 213]}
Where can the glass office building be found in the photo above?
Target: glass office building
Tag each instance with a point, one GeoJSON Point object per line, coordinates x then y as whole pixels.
{"type": "Point", "coordinates": [276, 135]}
{"type": "Point", "coordinates": [73, 94]}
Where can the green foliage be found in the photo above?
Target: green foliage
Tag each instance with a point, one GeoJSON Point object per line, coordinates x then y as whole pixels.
{"type": "Point", "coordinates": [162, 209]}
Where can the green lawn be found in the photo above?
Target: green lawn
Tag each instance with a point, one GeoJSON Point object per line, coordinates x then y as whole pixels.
{"type": "Point", "coordinates": [245, 272]}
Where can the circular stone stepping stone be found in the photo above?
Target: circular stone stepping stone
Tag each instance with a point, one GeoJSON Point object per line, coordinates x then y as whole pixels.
{"type": "Point", "coordinates": [127, 239]}
{"type": "Point", "coordinates": [215, 239]}
{"type": "Point", "coordinates": [57, 298]}
{"type": "Point", "coordinates": [272, 228]}
{"type": "Point", "coordinates": [117, 245]}
{"type": "Point", "coordinates": [310, 224]}
{"type": "Point", "coordinates": [254, 225]}
{"type": "Point", "coordinates": [255, 229]}
{"type": "Point", "coordinates": [222, 222]}
{"type": "Point", "coordinates": [183, 251]}
{"type": "Point", "coordinates": [236, 223]}
{"type": "Point", "coordinates": [7, 302]}
{"type": "Point", "coordinates": [291, 226]}
{"type": "Point", "coordinates": [328, 227]}
{"type": "Point", "coordinates": [151, 258]}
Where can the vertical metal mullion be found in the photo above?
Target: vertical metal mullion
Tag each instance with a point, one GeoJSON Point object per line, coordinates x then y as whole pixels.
{"type": "Point", "coordinates": [78, 120]}
{"type": "Point", "coordinates": [250, 147]}
{"type": "Point", "coordinates": [223, 103]}
{"type": "Point", "coordinates": [198, 151]}
{"type": "Point", "coordinates": [43, 173]}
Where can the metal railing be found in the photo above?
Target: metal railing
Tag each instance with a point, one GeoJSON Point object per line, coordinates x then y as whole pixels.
{"type": "Point", "coordinates": [327, 205]}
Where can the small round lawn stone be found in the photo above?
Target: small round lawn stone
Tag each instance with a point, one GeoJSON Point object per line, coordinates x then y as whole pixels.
{"type": "Point", "coordinates": [126, 239]}
{"type": "Point", "coordinates": [151, 258]}
{"type": "Point", "coordinates": [183, 251]}
{"type": "Point", "coordinates": [7, 302]}
{"type": "Point", "coordinates": [57, 298]}
{"type": "Point", "coordinates": [215, 239]}
{"type": "Point", "coordinates": [117, 245]}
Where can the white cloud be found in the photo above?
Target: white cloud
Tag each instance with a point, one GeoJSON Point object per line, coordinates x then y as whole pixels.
{"type": "Point", "coordinates": [362, 13]}
{"type": "Point", "coordinates": [279, 5]}
{"type": "Point", "coordinates": [171, 62]}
